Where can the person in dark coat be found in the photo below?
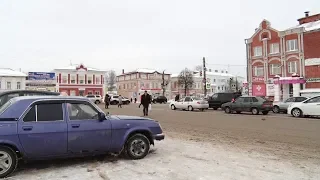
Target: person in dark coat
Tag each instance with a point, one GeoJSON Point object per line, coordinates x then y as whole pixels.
{"type": "Point", "coordinates": [177, 97]}
{"type": "Point", "coordinates": [145, 101]}
{"type": "Point", "coordinates": [107, 101]}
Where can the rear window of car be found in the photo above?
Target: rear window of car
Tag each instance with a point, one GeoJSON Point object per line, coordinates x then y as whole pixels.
{"type": "Point", "coordinates": [196, 98]}
{"type": "Point", "coordinates": [98, 96]}
{"type": "Point", "coordinates": [90, 96]}
{"type": "Point", "coordinates": [115, 96]}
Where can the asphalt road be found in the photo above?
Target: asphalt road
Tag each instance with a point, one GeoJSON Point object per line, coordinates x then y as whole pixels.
{"type": "Point", "coordinates": [276, 134]}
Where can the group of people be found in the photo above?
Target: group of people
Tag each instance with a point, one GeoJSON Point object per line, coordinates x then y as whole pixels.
{"type": "Point", "coordinates": [145, 101]}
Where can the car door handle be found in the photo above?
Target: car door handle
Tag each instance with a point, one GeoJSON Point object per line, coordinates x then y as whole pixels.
{"type": "Point", "coordinates": [27, 128]}
{"type": "Point", "coordinates": [75, 125]}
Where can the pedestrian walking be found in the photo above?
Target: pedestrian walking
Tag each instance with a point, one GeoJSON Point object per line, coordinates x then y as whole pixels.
{"type": "Point", "coordinates": [120, 102]}
{"type": "Point", "coordinates": [131, 99]}
{"type": "Point", "coordinates": [107, 101]}
{"type": "Point", "coordinates": [135, 100]}
{"type": "Point", "coordinates": [145, 102]}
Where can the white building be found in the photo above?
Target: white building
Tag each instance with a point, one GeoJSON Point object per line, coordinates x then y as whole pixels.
{"type": "Point", "coordinates": [11, 80]}
{"type": "Point", "coordinates": [197, 88]}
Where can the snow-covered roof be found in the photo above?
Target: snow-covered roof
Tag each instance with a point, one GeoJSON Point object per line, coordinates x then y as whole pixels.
{"type": "Point", "coordinates": [11, 73]}
{"type": "Point", "coordinates": [219, 74]}
{"type": "Point", "coordinates": [143, 70]}
{"type": "Point", "coordinates": [75, 66]}
{"type": "Point", "coordinates": [308, 26]}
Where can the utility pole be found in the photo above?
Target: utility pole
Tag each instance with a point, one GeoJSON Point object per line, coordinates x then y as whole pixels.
{"type": "Point", "coordinates": [204, 76]}
{"type": "Point", "coordinates": [163, 84]}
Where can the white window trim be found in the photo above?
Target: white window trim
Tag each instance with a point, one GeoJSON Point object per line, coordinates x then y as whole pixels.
{"type": "Point", "coordinates": [80, 78]}
{"type": "Point", "coordinates": [295, 67]}
{"type": "Point", "coordinates": [255, 51]}
{"type": "Point", "coordinates": [19, 83]}
{"type": "Point", "coordinates": [295, 44]}
{"type": "Point", "coordinates": [255, 73]}
{"type": "Point", "coordinates": [88, 79]}
{"type": "Point", "coordinates": [66, 76]}
{"type": "Point", "coordinates": [75, 79]}
{"type": "Point", "coordinates": [7, 83]}
{"type": "Point", "coordinates": [272, 48]}
{"type": "Point", "coordinates": [271, 67]}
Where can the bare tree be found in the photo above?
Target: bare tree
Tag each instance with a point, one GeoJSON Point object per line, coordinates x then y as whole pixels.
{"type": "Point", "coordinates": [198, 68]}
{"type": "Point", "coordinates": [111, 79]}
{"type": "Point", "coordinates": [185, 79]}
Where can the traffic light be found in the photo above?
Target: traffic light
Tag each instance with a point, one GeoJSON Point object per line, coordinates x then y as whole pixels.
{"type": "Point", "coordinates": [200, 73]}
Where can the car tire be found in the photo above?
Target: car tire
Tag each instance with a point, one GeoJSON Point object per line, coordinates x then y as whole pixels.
{"type": "Point", "coordinates": [190, 108]}
{"type": "Point", "coordinates": [296, 112]}
{"type": "Point", "coordinates": [137, 146]}
{"type": "Point", "coordinates": [265, 112]}
{"type": "Point", "coordinates": [97, 102]}
{"type": "Point", "coordinates": [202, 109]}
{"type": "Point", "coordinates": [227, 110]}
{"type": "Point", "coordinates": [114, 102]}
{"type": "Point", "coordinates": [11, 161]}
{"type": "Point", "coordinates": [173, 107]}
{"type": "Point", "coordinates": [254, 111]}
{"type": "Point", "coordinates": [238, 112]}
{"type": "Point", "coordinates": [215, 108]}
{"type": "Point", "coordinates": [276, 109]}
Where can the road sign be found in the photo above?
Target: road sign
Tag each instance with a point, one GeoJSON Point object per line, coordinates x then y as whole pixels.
{"type": "Point", "coordinates": [208, 86]}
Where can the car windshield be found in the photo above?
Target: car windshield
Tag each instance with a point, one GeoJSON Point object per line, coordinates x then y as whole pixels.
{"type": "Point", "coordinates": [5, 106]}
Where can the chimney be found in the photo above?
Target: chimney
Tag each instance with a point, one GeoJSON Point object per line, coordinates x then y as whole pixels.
{"type": "Point", "coordinates": [306, 14]}
{"type": "Point", "coordinates": [122, 71]}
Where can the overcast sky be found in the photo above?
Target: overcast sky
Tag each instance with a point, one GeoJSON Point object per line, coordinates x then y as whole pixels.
{"type": "Point", "coordinates": [40, 35]}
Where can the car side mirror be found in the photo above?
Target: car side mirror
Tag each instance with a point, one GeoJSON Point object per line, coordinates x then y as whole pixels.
{"type": "Point", "coordinates": [102, 116]}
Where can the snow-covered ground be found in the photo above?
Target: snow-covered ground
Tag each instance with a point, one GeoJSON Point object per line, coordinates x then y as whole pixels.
{"type": "Point", "coordinates": [175, 159]}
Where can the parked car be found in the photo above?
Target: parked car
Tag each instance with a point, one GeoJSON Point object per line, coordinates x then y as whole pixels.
{"type": "Point", "coordinates": [189, 103]}
{"type": "Point", "coordinates": [160, 99]}
{"type": "Point", "coordinates": [283, 106]}
{"type": "Point", "coordinates": [308, 107]}
{"type": "Point", "coordinates": [216, 100]}
{"type": "Point", "coordinates": [251, 104]}
{"type": "Point", "coordinates": [114, 100]}
{"type": "Point", "coordinates": [57, 126]}
{"type": "Point", "coordinates": [7, 95]}
{"type": "Point", "coordinates": [97, 99]}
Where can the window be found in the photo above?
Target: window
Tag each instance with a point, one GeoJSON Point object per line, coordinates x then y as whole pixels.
{"type": "Point", "coordinates": [314, 100]}
{"type": "Point", "coordinates": [258, 71]}
{"type": "Point", "coordinates": [290, 100]}
{"type": "Point", "coordinates": [97, 93]}
{"type": "Point", "coordinates": [73, 79]}
{"type": "Point", "coordinates": [187, 99]}
{"type": "Point", "coordinates": [89, 79]}
{"type": "Point", "coordinates": [292, 67]}
{"type": "Point", "coordinates": [246, 100]}
{"type": "Point", "coordinates": [275, 69]}
{"type": "Point", "coordinates": [72, 92]}
{"type": "Point", "coordinates": [239, 100]}
{"type": "Point", "coordinates": [18, 85]}
{"type": "Point", "coordinates": [65, 79]}
{"type": "Point", "coordinates": [300, 99]}
{"type": "Point", "coordinates": [44, 113]}
{"type": "Point", "coordinates": [81, 79]}
{"type": "Point", "coordinates": [292, 45]}
{"type": "Point", "coordinates": [253, 99]}
{"type": "Point", "coordinates": [82, 111]}
{"type": "Point", "coordinates": [8, 85]}
{"type": "Point", "coordinates": [98, 81]}
{"type": "Point", "coordinates": [274, 48]}
{"type": "Point", "coordinates": [0, 84]}
{"type": "Point", "coordinates": [257, 51]}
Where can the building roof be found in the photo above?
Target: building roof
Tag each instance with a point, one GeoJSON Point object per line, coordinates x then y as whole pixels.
{"type": "Point", "coordinates": [310, 26]}
{"type": "Point", "coordinates": [11, 73]}
{"type": "Point", "coordinates": [75, 66]}
{"type": "Point", "coordinates": [143, 70]}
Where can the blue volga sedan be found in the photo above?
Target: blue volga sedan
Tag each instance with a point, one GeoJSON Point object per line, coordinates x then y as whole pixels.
{"type": "Point", "coordinates": [42, 127]}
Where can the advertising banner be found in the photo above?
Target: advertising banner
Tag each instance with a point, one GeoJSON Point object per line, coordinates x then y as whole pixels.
{"type": "Point", "coordinates": [41, 76]}
{"type": "Point", "coordinates": [259, 90]}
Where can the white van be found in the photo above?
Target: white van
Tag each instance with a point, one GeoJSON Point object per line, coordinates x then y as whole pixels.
{"type": "Point", "coordinates": [310, 92]}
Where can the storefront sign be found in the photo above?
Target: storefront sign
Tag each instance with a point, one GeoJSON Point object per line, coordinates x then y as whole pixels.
{"type": "Point", "coordinates": [313, 80]}
{"type": "Point", "coordinates": [41, 76]}
{"type": "Point", "coordinates": [270, 90]}
{"type": "Point", "coordinates": [259, 90]}
{"type": "Point", "coordinates": [257, 79]}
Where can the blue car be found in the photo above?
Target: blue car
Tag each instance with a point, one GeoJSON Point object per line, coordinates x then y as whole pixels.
{"type": "Point", "coordinates": [44, 127]}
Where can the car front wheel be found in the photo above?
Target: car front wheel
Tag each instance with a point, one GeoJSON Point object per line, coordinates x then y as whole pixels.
{"type": "Point", "coordinates": [276, 109]}
{"type": "Point", "coordinates": [173, 107]}
{"type": "Point", "coordinates": [296, 112]}
{"type": "Point", "coordinates": [8, 161]}
{"type": "Point", "coordinates": [137, 146]}
{"type": "Point", "coordinates": [227, 110]}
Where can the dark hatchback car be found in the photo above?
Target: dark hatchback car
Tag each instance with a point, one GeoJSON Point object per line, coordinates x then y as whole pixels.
{"type": "Point", "coordinates": [7, 95]}
{"type": "Point", "coordinates": [217, 99]}
{"type": "Point", "coordinates": [251, 104]}
{"type": "Point", "coordinates": [160, 99]}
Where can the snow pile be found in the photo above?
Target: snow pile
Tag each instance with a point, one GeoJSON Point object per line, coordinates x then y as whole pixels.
{"type": "Point", "coordinates": [173, 159]}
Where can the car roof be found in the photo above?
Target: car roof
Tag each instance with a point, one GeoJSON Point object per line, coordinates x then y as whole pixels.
{"type": "Point", "coordinates": [49, 98]}
{"type": "Point", "coordinates": [28, 91]}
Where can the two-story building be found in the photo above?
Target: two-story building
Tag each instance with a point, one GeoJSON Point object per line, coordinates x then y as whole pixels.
{"type": "Point", "coordinates": [11, 80]}
{"type": "Point", "coordinates": [196, 89]}
{"type": "Point", "coordinates": [79, 80]}
{"type": "Point", "coordinates": [133, 84]}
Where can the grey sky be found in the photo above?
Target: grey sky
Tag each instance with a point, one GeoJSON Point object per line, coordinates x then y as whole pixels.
{"type": "Point", "coordinates": [39, 35]}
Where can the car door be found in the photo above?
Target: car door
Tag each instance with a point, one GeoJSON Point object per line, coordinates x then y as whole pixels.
{"type": "Point", "coordinates": [179, 103]}
{"type": "Point", "coordinates": [246, 105]}
{"type": "Point", "coordinates": [311, 107]}
{"type": "Point", "coordinates": [187, 102]}
{"type": "Point", "coordinates": [284, 105]}
{"type": "Point", "coordinates": [43, 130]}
{"type": "Point", "coordinates": [237, 104]}
{"type": "Point", "coordinates": [86, 133]}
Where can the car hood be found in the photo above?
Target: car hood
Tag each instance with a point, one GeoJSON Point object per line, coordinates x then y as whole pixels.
{"type": "Point", "coordinates": [124, 117]}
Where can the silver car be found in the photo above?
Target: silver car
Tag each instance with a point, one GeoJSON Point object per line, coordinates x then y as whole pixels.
{"type": "Point", "coordinates": [189, 103]}
{"type": "Point", "coordinates": [97, 99]}
{"type": "Point", "coordinates": [283, 106]}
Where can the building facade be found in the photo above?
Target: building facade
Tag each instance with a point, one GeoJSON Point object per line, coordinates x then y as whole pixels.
{"type": "Point", "coordinates": [79, 80]}
{"type": "Point", "coordinates": [42, 81]}
{"type": "Point", "coordinates": [133, 84]}
{"type": "Point", "coordinates": [278, 61]}
{"type": "Point", "coordinates": [11, 80]}
{"type": "Point", "coordinates": [196, 90]}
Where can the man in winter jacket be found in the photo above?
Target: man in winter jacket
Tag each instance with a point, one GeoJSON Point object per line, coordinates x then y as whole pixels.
{"type": "Point", "coordinates": [146, 101]}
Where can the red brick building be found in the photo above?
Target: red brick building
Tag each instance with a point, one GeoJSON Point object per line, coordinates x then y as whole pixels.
{"type": "Point", "coordinates": [79, 80]}
{"type": "Point", "coordinates": [282, 56]}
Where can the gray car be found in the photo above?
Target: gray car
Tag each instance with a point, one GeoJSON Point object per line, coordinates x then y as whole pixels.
{"type": "Point", "coordinates": [283, 106]}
